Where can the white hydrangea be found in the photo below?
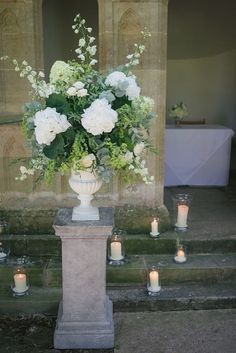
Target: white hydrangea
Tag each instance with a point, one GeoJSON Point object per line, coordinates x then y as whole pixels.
{"type": "Point", "coordinates": [60, 71]}
{"type": "Point", "coordinates": [99, 117]}
{"type": "Point", "coordinates": [87, 161]}
{"type": "Point", "coordinates": [138, 148]}
{"type": "Point", "coordinates": [133, 90]}
{"type": "Point", "coordinates": [48, 123]}
{"type": "Point", "coordinates": [115, 78]}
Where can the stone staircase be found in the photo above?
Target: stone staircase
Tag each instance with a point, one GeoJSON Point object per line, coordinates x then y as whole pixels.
{"type": "Point", "coordinates": [206, 281]}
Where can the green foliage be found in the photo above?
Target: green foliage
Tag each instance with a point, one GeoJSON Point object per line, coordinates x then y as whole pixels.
{"type": "Point", "coordinates": [59, 102]}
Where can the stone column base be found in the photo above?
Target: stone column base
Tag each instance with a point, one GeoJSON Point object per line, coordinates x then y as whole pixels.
{"type": "Point", "coordinates": [82, 334]}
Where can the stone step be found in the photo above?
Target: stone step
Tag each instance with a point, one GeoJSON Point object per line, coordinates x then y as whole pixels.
{"type": "Point", "coordinates": [170, 298]}
{"type": "Point", "coordinates": [202, 268]}
{"type": "Point", "coordinates": [50, 245]}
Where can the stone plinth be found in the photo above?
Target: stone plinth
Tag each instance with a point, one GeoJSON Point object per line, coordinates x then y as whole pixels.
{"type": "Point", "coordinates": [85, 317]}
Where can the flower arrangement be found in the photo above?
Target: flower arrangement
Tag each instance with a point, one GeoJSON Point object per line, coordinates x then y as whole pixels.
{"type": "Point", "coordinates": [84, 120]}
{"type": "Point", "coordinates": [178, 111]}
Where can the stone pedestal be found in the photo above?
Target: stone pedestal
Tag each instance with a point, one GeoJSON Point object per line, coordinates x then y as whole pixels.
{"type": "Point", "coordinates": [85, 318]}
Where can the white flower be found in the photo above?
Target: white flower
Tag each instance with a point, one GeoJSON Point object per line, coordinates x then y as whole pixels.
{"type": "Point", "coordinates": [133, 90]}
{"type": "Point", "coordinates": [81, 57]}
{"type": "Point", "coordinates": [78, 51]}
{"type": "Point", "coordinates": [41, 74]}
{"type": "Point", "coordinates": [82, 42]}
{"type": "Point", "coordinates": [92, 50]}
{"type": "Point", "coordinates": [93, 62]}
{"type": "Point", "coordinates": [82, 92]}
{"type": "Point", "coordinates": [88, 160]}
{"type": "Point", "coordinates": [76, 31]}
{"type": "Point", "coordinates": [91, 40]}
{"type": "Point", "coordinates": [48, 124]}
{"type": "Point", "coordinates": [60, 71]}
{"type": "Point", "coordinates": [138, 149]}
{"type": "Point", "coordinates": [115, 78]}
{"type": "Point", "coordinates": [23, 170]}
{"type": "Point", "coordinates": [129, 157]}
{"type": "Point", "coordinates": [71, 91]}
{"type": "Point", "coordinates": [89, 29]}
{"type": "Point", "coordinates": [99, 117]}
{"type": "Point", "coordinates": [78, 85]}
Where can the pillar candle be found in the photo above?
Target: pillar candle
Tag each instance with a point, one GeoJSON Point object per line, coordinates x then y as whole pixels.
{"type": "Point", "coordinates": [116, 253]}
{"type": "Point", "coordinates": [154, 226]}
{"type": "Point", "coordinates": [154, 281]}
{"type": "Point", "coordinates": [180, 257]}
{"type": "Point", "coordinates": [20, 282]}
{"type": "Point", "coordinates": [182, 216]}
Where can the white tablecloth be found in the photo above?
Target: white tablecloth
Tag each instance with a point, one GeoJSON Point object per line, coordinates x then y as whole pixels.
{"type": "Point", "coordinates": [197, 155]}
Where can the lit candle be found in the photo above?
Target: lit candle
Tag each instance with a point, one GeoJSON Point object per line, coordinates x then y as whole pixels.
{"type": "Point", "coordinates": [154, 226]}
{"type": "Point", "coordinates": [116, 253]}
{"type": "Point", "coordinates": [154, 281]}
{"type": "Point", "coordinates": [180, 257]}
{"type": "Point", "coordinates": [20, 282]}
{"type": "Point", "coordinates": [182, 216]}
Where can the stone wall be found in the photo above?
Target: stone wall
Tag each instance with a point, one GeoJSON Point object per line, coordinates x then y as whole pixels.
{"type": "Point", "coordinates": [120, 23]}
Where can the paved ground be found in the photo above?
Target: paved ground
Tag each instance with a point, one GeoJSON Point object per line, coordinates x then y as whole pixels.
{"type": "Point", "coordinates": [210, 331]}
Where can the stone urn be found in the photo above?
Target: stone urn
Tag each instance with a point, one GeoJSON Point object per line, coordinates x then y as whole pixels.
{"type": "Point", "coordinates": [85, 184]}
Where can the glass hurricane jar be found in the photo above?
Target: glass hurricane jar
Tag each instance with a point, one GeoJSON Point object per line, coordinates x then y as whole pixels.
{"type": "Point", "coordinates": [20, 285]}
{"type": "Point", "coordinates": [181, 254]}
{"type": "Point", "coordinates": [116, 254]}
{"type": "Point", "coordinates": [153, 281]}
{"type": "Point", "coordinates": [181, 211]}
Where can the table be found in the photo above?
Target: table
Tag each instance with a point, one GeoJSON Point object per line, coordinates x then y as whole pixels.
{"type": "Point", "coordinates": [197, 155]}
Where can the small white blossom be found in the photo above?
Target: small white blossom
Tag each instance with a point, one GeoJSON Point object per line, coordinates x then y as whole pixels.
{"type": "Point", "coordinates": [115, 78]}
{"type": "Point", "coordinates": [91, 40]}
{"type": "Point", "coordinates": [82, 42]}
{"type": "Point", "coordinates": [92, 50]}
{"type": "Point", "coordinates": [76, 31]}
{"type": "Point", "coordinates": [89, 29]}
{"type": "Point", "coordinates": [138, 148]}
{"type": "Point", "coordinates": [41, 74]}
{"type": "Point", "coordinates": [133, 90]}
{"type": "Point", "coordinates": [93, 62]}
{"type": "Point", "coordinates": [78, 51]}
{"type": "Point", "coordinates": [81, 57]}
{"type": "Point", "coordinates": [78, 85]}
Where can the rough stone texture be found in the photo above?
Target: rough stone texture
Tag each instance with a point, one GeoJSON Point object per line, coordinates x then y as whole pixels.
{"type": "Point", "coordinates": [85, 313]}
{"type": "Point", "coordinates": [119, 27]}
{"type": "Point", "coordinates": [195, 332]}
{"type": "Point", "coordinates": [120, 23]}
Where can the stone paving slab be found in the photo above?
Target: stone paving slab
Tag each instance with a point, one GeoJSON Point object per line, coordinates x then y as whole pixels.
{"type": "Point", "coordinates": [209, 331]}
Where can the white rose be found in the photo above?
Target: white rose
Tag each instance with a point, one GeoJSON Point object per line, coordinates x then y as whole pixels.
{"type": "Point", "coordinates": [71, 91]}
{"type": "Point", "coordinates": [88, 160]}
{"type": "Point", "coordinates": [138, 149]}
{"type": "Point", "coordinates": [78, 85]}
{"type": "Point", "coordinates": [115, 78]}
{"type": "Point", "coordinates": [133, 90]}
{"type": "Point", "coordinates": [82, 92]}
{"type": "Point", "coordinates": [99, 117]}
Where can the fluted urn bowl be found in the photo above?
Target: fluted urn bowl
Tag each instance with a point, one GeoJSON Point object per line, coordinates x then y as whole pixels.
{"type": "Point", "coordinates": [85, 184]}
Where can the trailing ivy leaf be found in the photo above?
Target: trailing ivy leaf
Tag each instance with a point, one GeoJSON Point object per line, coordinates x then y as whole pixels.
{"type": "Point", "coordinates": [69, 135]}
{"type": "Point", "coordinates": [56, 148]}
{"type": "Point", "coordinates": [59, 102]}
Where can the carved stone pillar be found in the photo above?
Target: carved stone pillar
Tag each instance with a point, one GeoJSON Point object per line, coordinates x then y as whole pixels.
{"type": "Point", "coordinates": [20, 38]}
{"type": "Point", "coordinates": [120, 23]}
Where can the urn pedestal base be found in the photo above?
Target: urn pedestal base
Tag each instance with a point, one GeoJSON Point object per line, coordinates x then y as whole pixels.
{"type": "Point", "coordinates": [85, 314]}
{"type": "Point", "coordinates": [85, 334]}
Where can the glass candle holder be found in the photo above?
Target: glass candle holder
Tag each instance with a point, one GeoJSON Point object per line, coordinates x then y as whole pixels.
{"type": "Point", "coordinates": [154, 227]}
{"type": "Point", "coordinates": [180, 255]}
{"type": "Point", "coordinates": [153, 281]}
{"type": "Point", "coordinates": [116, 255]}
{"type": "Point", "coordinates": [4, 251]}
{"type": "Point", "coordinates": [20, 285]}
{"type": "Point", "coordinates": [181, 211]}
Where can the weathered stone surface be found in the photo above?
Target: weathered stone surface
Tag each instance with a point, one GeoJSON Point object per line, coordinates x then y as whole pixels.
{"type": "Point", "coordinates": [85, 313]}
